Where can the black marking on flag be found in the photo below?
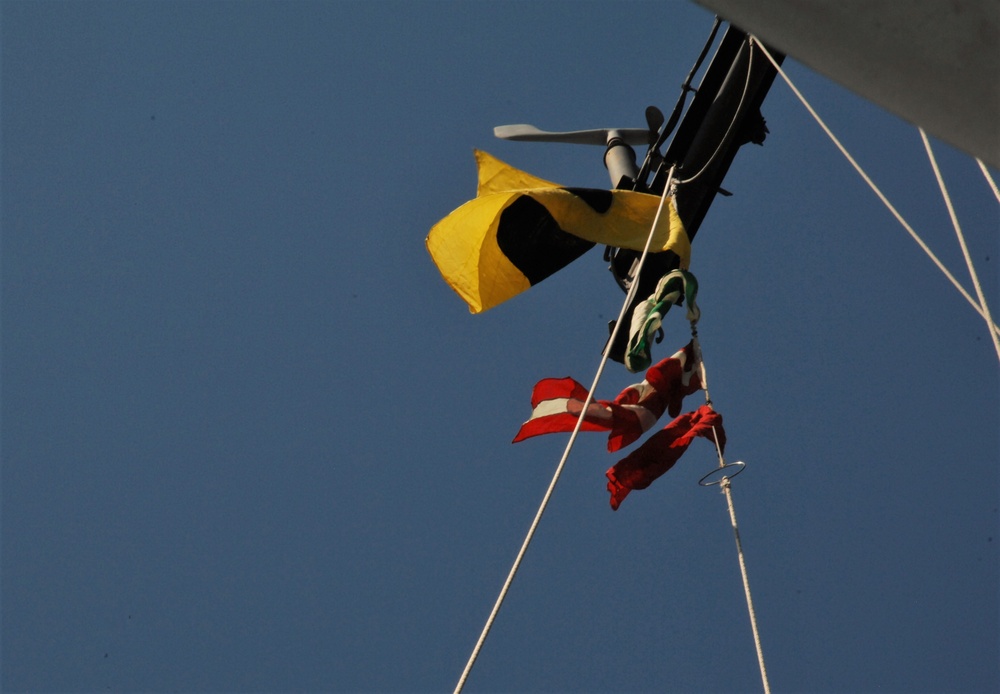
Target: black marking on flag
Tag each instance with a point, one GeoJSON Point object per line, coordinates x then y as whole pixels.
{"type": "Point", "coordinates": [533, 242]}
{"type": "Point", "coordinates": [598, 200]}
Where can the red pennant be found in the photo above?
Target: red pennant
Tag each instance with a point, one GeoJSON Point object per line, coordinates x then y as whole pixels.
{"type": "Point", "coordinates": [661, 451]}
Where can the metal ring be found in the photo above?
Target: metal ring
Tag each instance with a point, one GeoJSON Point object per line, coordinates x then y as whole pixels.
{"type": "Point", "coordinates": [724, 471]}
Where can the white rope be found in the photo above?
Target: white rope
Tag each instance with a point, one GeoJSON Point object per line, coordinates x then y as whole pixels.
{"type": "Point", "coordinates": [746, 585]}
{"type": "Point", "coordinates": [569, 446]}
{"type": "Point", "coordinates": [725, 484]}
{"type": "Point", "coordinates": [961, 241]}
{"type": "Point", "coordinates": [736, 116]}
{"type": "Point", "coordinates": [989, 179]}
{"type": "Point", "coordinates": [875, 188]}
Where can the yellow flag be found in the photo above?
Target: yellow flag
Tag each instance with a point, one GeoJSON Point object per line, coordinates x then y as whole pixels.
{"type": "Point", "coordinates": [520, 229]}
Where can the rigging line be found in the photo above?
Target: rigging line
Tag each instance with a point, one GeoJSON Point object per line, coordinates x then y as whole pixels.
{"type": "Point", "coordinates": [725, 484]}
{"type": "Point", "coordinates": [678, 107]}
{"type": "Point", "coordinates": [736, 116]}
{"type": "Point", "coordinates": [989, 178]}
{"type": "Point", "coordinates": [746, 584]}
{"type": "Point", "coordinates": [569, 447]}
{"type": "Point", "coordinates": [875, 188]}
{"type": "Point", "coordinates": [961, 240]}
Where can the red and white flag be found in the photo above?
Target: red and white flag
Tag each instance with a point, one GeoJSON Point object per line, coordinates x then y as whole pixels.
{"type": "Point", "coordinates": [557, 402]}
{"type": "Point", "coordinates": [556, 405]}
{"type": "Point", "coordinates": [638, 407]}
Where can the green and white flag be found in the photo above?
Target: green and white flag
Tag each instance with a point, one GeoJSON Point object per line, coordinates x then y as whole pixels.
{"type": "Point", "coordinates": [673, 288]}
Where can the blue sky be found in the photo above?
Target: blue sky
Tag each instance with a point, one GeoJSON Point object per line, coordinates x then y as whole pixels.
{"type": "Point", "coordinates": [252, 442]}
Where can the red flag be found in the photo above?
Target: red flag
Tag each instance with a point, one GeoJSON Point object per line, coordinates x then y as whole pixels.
{"type": "Point", "coordinates": [664, 448]}
{"type": "Point", "coordinates": [557, 402]}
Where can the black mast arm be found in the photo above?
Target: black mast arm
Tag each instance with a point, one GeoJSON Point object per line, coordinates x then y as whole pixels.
{"type": "Point", "coordinates": [723, 116]}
